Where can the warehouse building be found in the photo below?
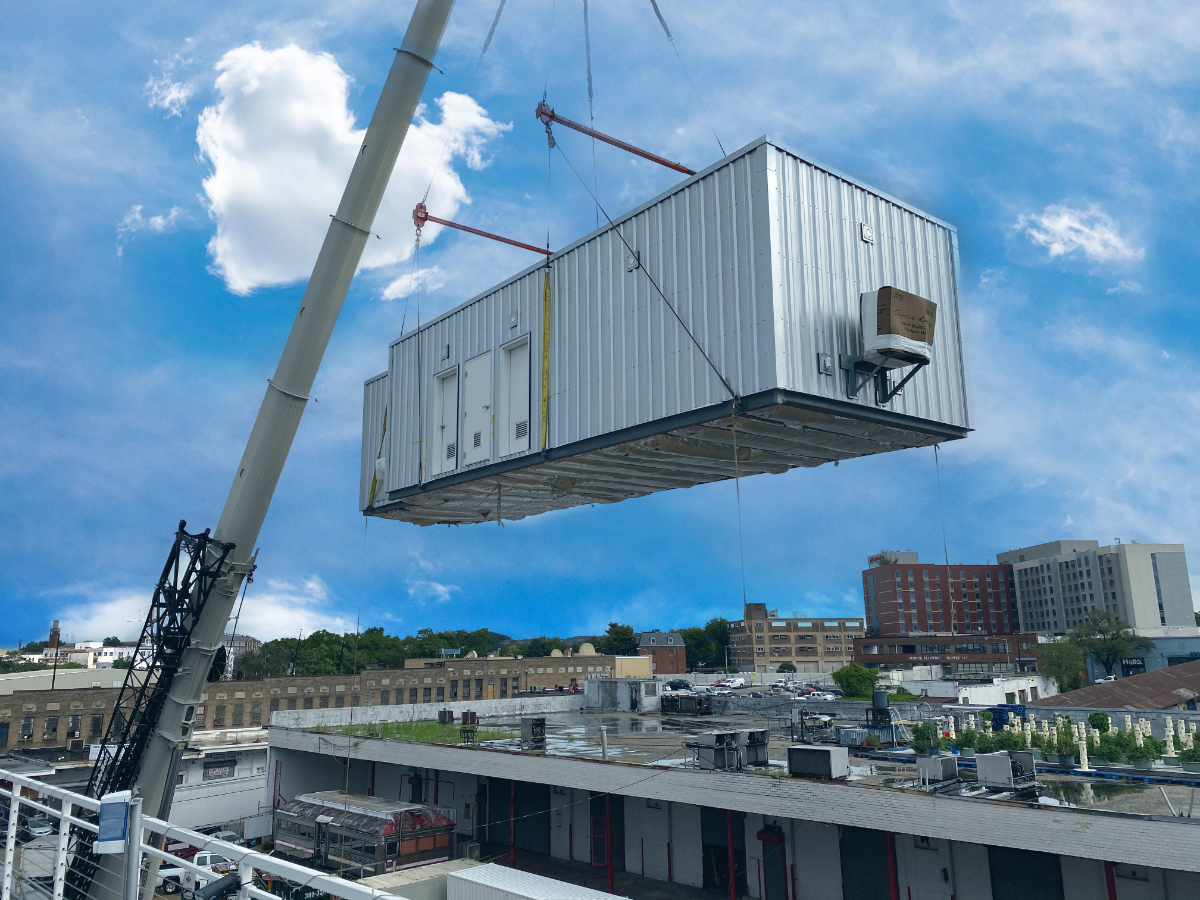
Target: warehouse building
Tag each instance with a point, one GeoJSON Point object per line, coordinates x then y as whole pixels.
{"type": "Point", "coordinates": [672, 829]}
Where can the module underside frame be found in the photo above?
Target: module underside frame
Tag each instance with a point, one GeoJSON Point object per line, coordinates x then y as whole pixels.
{"type": "Point", "coordinates": [774, 431]}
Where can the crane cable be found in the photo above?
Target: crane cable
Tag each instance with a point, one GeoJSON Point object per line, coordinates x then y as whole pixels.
{"type": "Point", "coordinates": [587, 48]}
{"type": "Point", "coordinates": [737, 400]}
{"type": "Point", "coordinates": [487, 42]}
{"type": "Point", "coordinates": [687, 74]}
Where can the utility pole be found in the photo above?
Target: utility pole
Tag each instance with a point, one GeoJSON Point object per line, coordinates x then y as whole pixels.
{"type": "Point", "coordinates": [286, 397]}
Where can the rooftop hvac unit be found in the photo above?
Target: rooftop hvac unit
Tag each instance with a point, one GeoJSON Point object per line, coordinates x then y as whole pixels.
{"type": "Point", "coordinates": [610, 370]}
{"type": "Point", "coordinates": [468, 850]}
{"type": "Point", "coordinates": [753, 743]}
{"type": "Point", "coordinates": [1006, 770]}
{"type": "Point", "coordinates": [533, 732]}
{"type": "Point", "coordinates": [931, 769]}
{"type": "Point", "coordinates": [445, 717]}
{"type": "Point", "coordinates": [717, 750]}
{"type": "Point", "coordinates": [818, 761]}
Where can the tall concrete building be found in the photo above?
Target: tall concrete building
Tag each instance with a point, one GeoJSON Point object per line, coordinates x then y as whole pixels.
{"type": "Point", "coordinates": [904, 596]}
{"type": "Point", "coordinates": [1060, 582]}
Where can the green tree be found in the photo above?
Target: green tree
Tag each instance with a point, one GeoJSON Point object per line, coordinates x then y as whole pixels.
{"type": "Point", "coordinates": [786, 667]}
{"type": "Point", "coordinates": [1064, 661]}
{"type": "Point", "coordinates": [699, 646]}
{"type": "Point", "coordinates": [113, 641]}
{"type": "Point", "coordinates": [717, 630]}
{"type": "Point", "coordinates": [1108, 639]}
{"type": "Point", "coordinates": [542, 646]}
{"type": "Point", "coordinates": [856, 681]}
{"type": "Point", "coordinates": [35, 647]}
{"type": "Point", "coordinates": [1099, 721]}
{"type": "Point", "coordinates": [617, 641]}
{"type": "Point", "coordinates": [124, 663]}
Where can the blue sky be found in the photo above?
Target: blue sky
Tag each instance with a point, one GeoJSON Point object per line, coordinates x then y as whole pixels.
{"type": "Point", "coordinates": [167, 171]}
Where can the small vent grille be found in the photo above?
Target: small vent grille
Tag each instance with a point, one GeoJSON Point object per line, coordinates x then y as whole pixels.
{"type": "Point", "coordinates": [451, 451]}
{"type": "Point", "coordinates": [522, 429]}
{"type": "Point", "coordinates": [478, 439]}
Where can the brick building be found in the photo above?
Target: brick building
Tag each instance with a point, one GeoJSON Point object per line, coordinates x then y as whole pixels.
{"type": "Point", "coordinates": [763, 640]}
{"type": "Point", "coordinates": [668, 656]}
{"type": "Point", "coordinates": [957, 656]}
{"type": "Point", "coordinates": [910, 597]}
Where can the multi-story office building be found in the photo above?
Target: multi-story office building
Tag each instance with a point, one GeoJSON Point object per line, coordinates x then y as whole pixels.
{"type": "Point", "coordinates": [909, 597]}
{"type": "Point", "coordinates": [763, 640]}
{"type": "Point", "coordinates": [1059, 583]}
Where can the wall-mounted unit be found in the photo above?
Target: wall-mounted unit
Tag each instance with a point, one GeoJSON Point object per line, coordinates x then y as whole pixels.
{"type": "Point", "coordinates": [828, 308]}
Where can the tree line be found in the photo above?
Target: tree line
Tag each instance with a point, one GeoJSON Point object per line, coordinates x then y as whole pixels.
{"type": "Point", "coordinates": [328, 653]}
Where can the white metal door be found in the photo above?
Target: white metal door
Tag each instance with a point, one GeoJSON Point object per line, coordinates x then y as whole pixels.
{"type": "Point", "coordinates": [445, 423]}
{"type": "Point", "coordinates": [512, 416]}
{"type": "Point", "coordinates": [477, 409]}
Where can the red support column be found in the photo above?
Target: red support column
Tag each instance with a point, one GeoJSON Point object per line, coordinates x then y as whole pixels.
{"type": "Point", "coordinates": [893, 875]}
{"type": "Point", "coordinates": [512, 823]}
{"type": "Point", "coordinates": [1110, 880]}
{"type": "Point", "coordinates": [608, 840]}
{"type": "Point", "coordinates": [732, 874]}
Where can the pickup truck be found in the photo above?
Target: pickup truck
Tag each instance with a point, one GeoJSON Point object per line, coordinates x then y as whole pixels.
{"type": "Point", "coordinates": [170, 880]}
{"type": "Point", "coordinates": [206, 859]}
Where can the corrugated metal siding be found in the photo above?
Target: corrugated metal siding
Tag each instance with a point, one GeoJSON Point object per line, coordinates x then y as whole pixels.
{"type": "Point", "coordinates": [481, 325]}
{"type": "Point", "coordinates": [761, 258]}
{"type": "Point", "coordinates": [374, 402]}
{"type": "Point", "coordinates": [619, 357]}
{"type": "Point", "coordinates": [821, 265]}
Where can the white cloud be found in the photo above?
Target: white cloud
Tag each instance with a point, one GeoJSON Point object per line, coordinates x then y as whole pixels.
{"type": "Point", "coordinates": [283, 608]}
{"type": "Point", "coordinates": [431, 590]}
{"type": "Point", "coordinates": [431, 279]}
{"type": "Point", "coordinates": [167, 95]}
{"type": "Point", "coordinates": [1126, 287]}
{"type": "Point", "coordinates": [135, 221]}
{"type": "Point", "coordinates": [1063, 230]}
{"type": "Point", "coordinates": [281, 142]}
{"type": "Point", "coordinates": [279, 608]}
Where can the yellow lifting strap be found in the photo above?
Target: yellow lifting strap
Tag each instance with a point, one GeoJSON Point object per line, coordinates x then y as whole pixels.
{"type": "Point", "coordinates": [545, 355]}
{"type": "Point", "coordinates": [375, 475]}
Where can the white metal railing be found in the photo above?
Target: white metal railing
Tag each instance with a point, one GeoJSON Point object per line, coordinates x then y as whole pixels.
{"type": "Point", "coordinates": [34, 870]}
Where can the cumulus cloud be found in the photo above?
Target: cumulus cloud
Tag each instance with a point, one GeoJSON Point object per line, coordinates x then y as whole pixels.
{"type": "Point", "coordinates": [430, 279]}
{"type": "Point", "coordinates": [1063, 231]}
{"type": "Point", "coordinates": [278, 608]}
{"type": "Point", "coordinates": [281, 142]}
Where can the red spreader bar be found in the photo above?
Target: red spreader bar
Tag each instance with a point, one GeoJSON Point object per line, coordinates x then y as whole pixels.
{"type": "Point", "coordinates": [421, 216]}
{"type": "Point", "coordinates": [548, 116]}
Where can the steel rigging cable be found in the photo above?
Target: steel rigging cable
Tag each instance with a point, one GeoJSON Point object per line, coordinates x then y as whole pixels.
{"type": "Point", "coordinates": [687, 74]}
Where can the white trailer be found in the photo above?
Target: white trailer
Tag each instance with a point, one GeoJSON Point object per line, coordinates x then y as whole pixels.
{"type": "Point", "coordinates": [723, 313]}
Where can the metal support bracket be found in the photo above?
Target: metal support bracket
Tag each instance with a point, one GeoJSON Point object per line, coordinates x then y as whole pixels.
{"type": "Point", "coordinates": [884, 391]}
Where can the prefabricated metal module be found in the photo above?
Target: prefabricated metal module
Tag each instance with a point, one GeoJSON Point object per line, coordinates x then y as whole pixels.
{"type": "Point", "coordinates": [723, 316]}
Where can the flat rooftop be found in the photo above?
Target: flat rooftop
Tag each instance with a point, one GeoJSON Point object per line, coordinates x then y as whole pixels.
{"type": "Point", "coordinates": [658, 741]}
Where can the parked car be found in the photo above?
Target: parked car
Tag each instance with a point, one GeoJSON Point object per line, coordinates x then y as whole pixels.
{"type": "Point", "coordinates": [819, 695]}
{"type": "Point", "coordinates": [35, 826]}
{"type": "Point", "coordinates": [758, 695]}
{"type": "Point", "coordinates": [229, 837]}
{"type": "Point", "coordinates": [679, 684]}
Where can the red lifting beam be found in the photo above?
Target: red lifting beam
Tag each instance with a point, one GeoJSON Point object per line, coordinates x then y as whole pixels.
{"type": "Point", "coordinates": [548, 116]}
{"type": "Point", "coordinates": [421, 216]}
